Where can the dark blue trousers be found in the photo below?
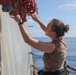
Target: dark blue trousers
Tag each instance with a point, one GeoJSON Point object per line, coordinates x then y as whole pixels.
{"type": "Point", "coordinates": [58, 72]}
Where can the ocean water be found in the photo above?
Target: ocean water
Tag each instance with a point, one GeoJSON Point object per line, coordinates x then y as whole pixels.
{"type": "Point", "coordinates": [71, 53]}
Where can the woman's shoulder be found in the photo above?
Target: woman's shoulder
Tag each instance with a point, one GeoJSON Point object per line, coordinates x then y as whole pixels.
{"type": "Point", "coordinates": [63, 42]}
{"type": "Point", "coordinates": [59, 42]}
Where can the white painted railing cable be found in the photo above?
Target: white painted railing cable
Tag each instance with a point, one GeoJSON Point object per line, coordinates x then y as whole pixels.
{"type": "Point", "coordinates": [35, 54]}
{"type": "Point", "coordinates": [34, 63]}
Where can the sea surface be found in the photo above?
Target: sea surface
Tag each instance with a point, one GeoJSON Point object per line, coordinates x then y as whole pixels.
{"type": "Point", "coordinates": [71, 53]}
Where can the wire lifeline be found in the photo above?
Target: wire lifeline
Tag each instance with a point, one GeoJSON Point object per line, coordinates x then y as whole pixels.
{"type": "Point", "coordinates": [35, 54]}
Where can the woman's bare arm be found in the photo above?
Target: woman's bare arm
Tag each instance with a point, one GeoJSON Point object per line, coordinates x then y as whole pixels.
{"type": "Point", "coordinates": [37, 19]}
{"type": "Point", "coordinates": [42, 46]}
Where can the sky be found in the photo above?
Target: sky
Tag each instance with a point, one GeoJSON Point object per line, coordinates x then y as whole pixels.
{"type": "Point", "coordinates": [65, 10]}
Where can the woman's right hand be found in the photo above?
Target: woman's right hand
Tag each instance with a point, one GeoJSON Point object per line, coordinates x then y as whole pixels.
{"type": "Point", "coordinates": [35, 17]}
{"type": "Point", "coordinates": [17, 18]}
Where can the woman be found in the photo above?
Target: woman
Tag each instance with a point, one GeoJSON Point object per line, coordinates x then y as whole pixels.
{"type": "Point", "coordinates": [54, 51]}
